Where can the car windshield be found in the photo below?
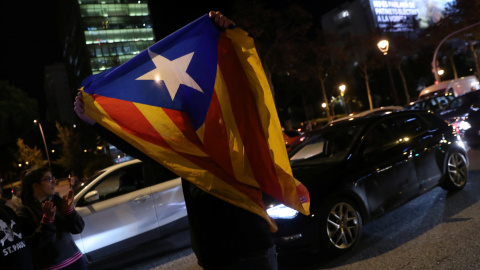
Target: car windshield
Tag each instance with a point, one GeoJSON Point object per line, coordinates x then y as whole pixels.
{"type": "Point", "coordinates": [84, 184]}
{"type": "Point", "coordinates": [332, 145]}
{"type": "Point", "coordinates": [456, 103]}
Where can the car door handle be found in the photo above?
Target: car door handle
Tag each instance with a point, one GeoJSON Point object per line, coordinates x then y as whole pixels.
{"type": "Point", "coordinates": [141, 198]}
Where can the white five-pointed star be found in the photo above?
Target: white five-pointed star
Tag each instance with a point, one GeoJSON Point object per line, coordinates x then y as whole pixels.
{"type": "Point", "coordinates": [172, 73]}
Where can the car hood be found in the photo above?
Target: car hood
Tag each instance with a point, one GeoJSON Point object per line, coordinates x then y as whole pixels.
{"type": "Point", "coordinates": [316, 178]}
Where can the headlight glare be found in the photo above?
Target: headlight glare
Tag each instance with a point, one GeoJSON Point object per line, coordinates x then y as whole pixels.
{"type": "Point", "coordinates": [464, 125]}
{"type": "Point", "coordinates": [281, 211]}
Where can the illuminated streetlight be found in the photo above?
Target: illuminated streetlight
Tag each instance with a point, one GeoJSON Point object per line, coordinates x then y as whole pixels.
{"type": "Point", "coordinates": [342, 89]}
{"type": "Point", "coordinates": [44, 142]}
{"type": "Point", "coordinates": [324, 105]}
{"type": "Point", "coordinates": [383, 45]}
{"type": "Point", "coordinates": [434, 61]}
{"type": "Point", "coordinates": [342, 93]}
{"type": "Point", "coordinates": [441, 72]}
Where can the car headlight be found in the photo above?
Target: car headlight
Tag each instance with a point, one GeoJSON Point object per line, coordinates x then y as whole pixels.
{"type": "Point", "coordinates": [281, 211]}
{"type": "Point", "coordinates": [464, 125]}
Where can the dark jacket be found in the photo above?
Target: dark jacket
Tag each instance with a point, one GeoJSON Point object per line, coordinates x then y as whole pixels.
{"type": "Point", "coordinates": [51, 243]}
{"type": "Point", "coordinates": [14, 251]}
{"type": "Point", "coordinates": [221, 233]}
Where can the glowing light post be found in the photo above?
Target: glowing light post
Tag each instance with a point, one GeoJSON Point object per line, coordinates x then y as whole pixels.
{"type": "Point", "coordinates": [383, 45]}
{"type": "Point", "coordinates": [44, 142]}
{"type": "Point", "coordinates": [434, 61]}
{"type": "Point", "coordinates": [342, 93]}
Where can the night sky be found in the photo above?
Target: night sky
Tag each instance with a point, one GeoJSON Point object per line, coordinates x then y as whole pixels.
{"type": "Point", "coordinates": [28, 42]}
{"type": "Point", "coordinates": [29, 38]}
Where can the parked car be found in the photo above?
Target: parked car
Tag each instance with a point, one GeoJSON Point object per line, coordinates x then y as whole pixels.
{"type": "Point", "coordinates": [455, 87]}
{"type": "Point", "coordinates": [357, 169]}
{"type": "Point", "coordinates": [432, 103]}
{"type": "Point", "coordinates": [290, 136]}
{"type": "Point", "coordinates": [459, 106]}
{"type": "Point", "coordinates": [468, 126]}
{"type": "Point", "coordinates": [126, 205]}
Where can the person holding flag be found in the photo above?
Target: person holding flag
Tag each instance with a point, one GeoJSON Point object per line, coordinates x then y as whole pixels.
{"type": "Point", "coordinates": [198, 103]}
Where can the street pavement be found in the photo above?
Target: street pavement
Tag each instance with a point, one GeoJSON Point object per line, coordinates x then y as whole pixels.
{"type": "Point", "coordinates": [438, 230]}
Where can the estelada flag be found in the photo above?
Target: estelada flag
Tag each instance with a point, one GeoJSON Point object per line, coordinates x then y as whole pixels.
{"type": "Point", "coordinates": [198, 102]}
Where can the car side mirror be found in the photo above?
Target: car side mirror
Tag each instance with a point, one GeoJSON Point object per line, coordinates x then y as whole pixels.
{"type": "Point", "coordinates": [92, 196]}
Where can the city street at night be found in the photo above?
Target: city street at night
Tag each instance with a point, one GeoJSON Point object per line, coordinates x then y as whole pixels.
{"type": "Point", "coordinates": [151, 135]}
{"type": "Point", "coordinates": [438, 230]}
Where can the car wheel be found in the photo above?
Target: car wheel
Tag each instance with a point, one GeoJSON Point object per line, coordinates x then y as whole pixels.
{"type": "Point", "coordinates": [340, 226]}
{"type": "Point", "coordinates": [456, 172]}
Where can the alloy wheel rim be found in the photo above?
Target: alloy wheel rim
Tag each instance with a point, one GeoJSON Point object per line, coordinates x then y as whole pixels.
{"type": "Point", "coordinates": [343, 225]}
{"type": "Point", "coordinates": [457, 169]}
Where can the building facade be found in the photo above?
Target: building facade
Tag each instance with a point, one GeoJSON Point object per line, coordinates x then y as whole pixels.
{"type": "Point", "coordinates": [100, 34]}
{"type": "Point", "coordinates": [359, 17]}
{"type": "Point", "coordinates": [97, 35]}
{"type": "Point", "coordinates": [115, 31]}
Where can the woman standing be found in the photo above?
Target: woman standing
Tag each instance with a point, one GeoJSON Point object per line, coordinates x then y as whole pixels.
{"type": "Point", "coordinates": [48, 222]}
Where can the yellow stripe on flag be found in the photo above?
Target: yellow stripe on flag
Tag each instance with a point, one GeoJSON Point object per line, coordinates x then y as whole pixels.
{"type": "Point", "coordinates": [240, 163]}
{"type": "Point", "coordinates": [247, 54]}
{"type": "Point", "coordinates": [169, 131]}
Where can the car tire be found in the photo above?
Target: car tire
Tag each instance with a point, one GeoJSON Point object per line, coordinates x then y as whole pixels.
{"type": "Point", "coordinates": [456, 172]}
{"type": "Point", "coordinates": [340, 226]}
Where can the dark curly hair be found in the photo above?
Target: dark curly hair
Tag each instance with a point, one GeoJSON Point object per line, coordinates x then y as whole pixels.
{"type": "Point", "coordinates": [30, 177]}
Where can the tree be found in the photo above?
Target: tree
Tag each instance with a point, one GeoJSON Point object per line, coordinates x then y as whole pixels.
{"type": "Point", "coordinates": [30, 157]}
{"type": "Point", "coordinates": [328, 59]}
{"type": "Point", "coordinates": [279, 35]}
{"type": "Point", "coordinates": [78, 154]}
{"type": "Point", "coordinates": [71, 152]}
{"type": "Point", "coordinates": [362, 49]}
{"type": "Point", "coordinates": [17, 112]}
{"type": "Point", "coordinates": [458, 15]}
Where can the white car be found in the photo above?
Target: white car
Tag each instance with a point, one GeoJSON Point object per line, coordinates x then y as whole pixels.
{"type": "Point", "coordinates": [128, 204]}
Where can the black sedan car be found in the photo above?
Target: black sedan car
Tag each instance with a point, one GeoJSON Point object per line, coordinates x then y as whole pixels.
{"type": "Point", "coordinates": [459, 106]}
{"type": "Point", "coordinates": [432, 103]}
{"type": "Point", "coordinates": [358, 168]}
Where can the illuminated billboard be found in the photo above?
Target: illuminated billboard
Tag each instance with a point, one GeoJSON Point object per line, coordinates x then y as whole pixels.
{"type": "Point", "coordinates": [396, 14]}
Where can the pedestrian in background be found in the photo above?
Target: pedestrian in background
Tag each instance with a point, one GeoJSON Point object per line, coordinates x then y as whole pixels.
{"type": "Point", "coordinates": [16, 201]}
{"type": "Point", "coordinates": [47, 222]}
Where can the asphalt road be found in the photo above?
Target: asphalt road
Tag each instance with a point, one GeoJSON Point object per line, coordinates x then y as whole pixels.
{"type": "Point", "coordinates": [438, 230]}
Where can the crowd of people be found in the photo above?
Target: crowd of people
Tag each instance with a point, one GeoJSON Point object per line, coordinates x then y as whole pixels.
{"type": "Point", "coordinates": [37, 225]}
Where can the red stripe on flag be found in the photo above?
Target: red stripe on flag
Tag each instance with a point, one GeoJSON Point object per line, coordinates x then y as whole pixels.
{"type": "Point", "coordinates": [216, 138]}
{"type": "Point", "coordinates": [130, 118]}
{"type": "Point", "coordinates": [247, 118]}
{"type": "Point", "coordinates": [180, 119]}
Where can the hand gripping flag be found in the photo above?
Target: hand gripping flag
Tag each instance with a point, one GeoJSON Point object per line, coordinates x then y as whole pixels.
{"type": "Point", "coordinates": [198, 102]}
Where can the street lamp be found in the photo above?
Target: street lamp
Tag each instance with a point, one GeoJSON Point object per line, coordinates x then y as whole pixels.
{"type": "Point", "coordinates": [383, 45]}
{"type": "Point", "coordinates": [434, 61]}
{"type": "Point", "coordinates": [44, 142]}
{"type": "Point", "coordinates": [342, 93]}
{"type": "Point", "coordinates": [342, 89]}
{"type": "Point", "coordinates": [441, 72]}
